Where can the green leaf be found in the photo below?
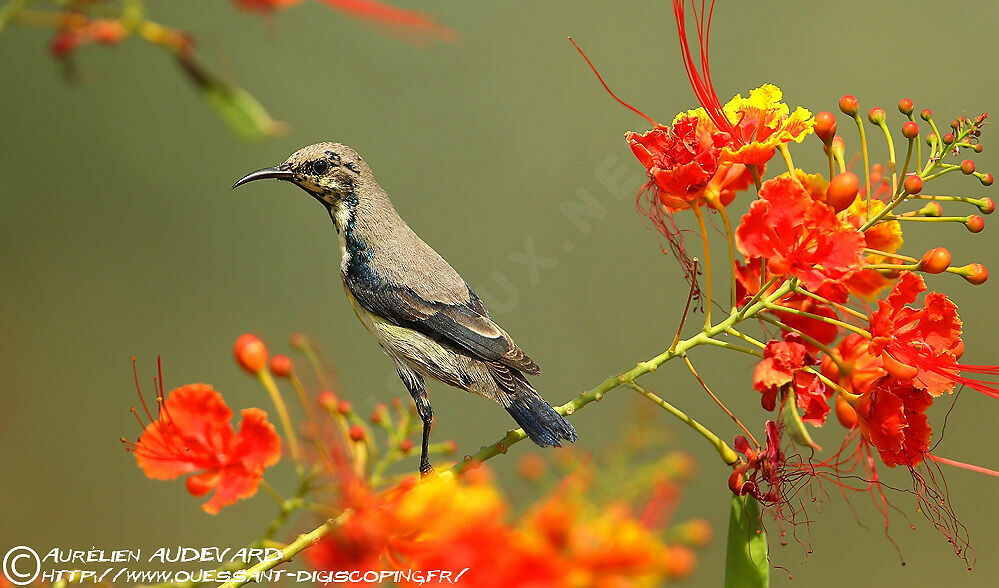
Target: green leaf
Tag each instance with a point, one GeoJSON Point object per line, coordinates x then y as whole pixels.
{"type": "Point", "coordinates": [243, 113]}
{"type": "Point", "coordinates": [746, 564]}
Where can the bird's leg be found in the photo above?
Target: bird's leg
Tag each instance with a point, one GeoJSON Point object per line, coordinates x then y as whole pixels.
{"type": "Point", "coordinates": [418, 390]}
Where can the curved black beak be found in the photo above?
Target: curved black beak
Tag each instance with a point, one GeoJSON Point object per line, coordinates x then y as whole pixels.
{"type": "Point", "coordinates": [280, 172]}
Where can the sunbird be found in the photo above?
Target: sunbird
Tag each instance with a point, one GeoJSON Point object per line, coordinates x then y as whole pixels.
{"type": "Point", "coordinates": [423, 314]}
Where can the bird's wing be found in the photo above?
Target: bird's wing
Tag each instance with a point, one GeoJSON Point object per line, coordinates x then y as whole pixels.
{"type": "Point", "coordinates": [465, 325]}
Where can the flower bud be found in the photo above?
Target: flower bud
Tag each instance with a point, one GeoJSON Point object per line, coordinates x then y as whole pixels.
{"type": "Point", "coordinates": [281, 366]}
{"type": "Point", "coordinates": [975, 223]}
{"type": "Point", "coordinates": [876, 115]}
{"type": "Point", "coordinates": [532, 467]}
{"type": "Point", "coordinates": [905, 106]}
{"type": "Point", "coordinates": [948, 138]}
{"type": "Point", "coordinates": [935, 260]}
{"type": "Point", "coordinates": [842, 191]}
{"type": "Point", "coordinates": [356, 433]}
{"type": "Point", "coordinates": [986, 180]}
{"type": "Point", "coordinates": [450, 446]}
{"type": "Point", "coordinates": [910, 130]}
{"type": "Point", "coordinates": [299, 341]}
{"type": "Point", "coordinates": [344, 407]}
{"type": "Point", "coordinates": [975, 273]}
{"type": "Point", "coordinates": [977, 147]}
{"type": "Point", "coordinates": [849, 105]}
{"type": "Point", "coordinates": [986, 205]}
{"type": "Point", "coordinates": [251, 354]}
{"type": "Point", "coordinates": [967, 167]}
{"type": "Point", "coordinates": [931, 209]}
{"type": "Point", "coordinates": [926, 114]}
{"type": "Point", "coordinates": [845, 413]}
{"type": "Point", "coordinates": [327, 400]}
{"type": "Point", "coordinates": [378, 413]}
{"type": "Point", "coordinates": [825, 126]}
{"type": "Point", "coordinates": [406, 445]}
{"type": "Point", "coordinates": [913, 184]}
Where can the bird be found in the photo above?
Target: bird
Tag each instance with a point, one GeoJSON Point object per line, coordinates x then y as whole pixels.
{"type": "Point", "coordinates": [423, 314]}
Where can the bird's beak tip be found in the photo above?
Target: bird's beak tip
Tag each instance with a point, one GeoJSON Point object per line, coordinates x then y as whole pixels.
{"type": "Point", "coordinates": [267, 173]}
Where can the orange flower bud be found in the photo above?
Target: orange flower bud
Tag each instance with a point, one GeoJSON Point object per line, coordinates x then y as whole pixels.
{"type": "Point", "coordinates": [680, 561]}
{"type": "Point", "coordinates": [451, 446]}
{"type": "Point", "coordinates": [406, 445]}
{"type": "Point", "coordinates": [327, 400]}
{"type": "Point", "coordinates": [344, 407]}
{"type": "Point", "coordinates": [849, 105]}
{"type": "Point", "coordinates": [532, 467]}
{"type": "Point", "coordinates": [926, 114]}
{"type": "Point", "coordinates": [845, 413]}
{"type": "Point", "coordinates": [913, 184]}
{"type": "Point", "coordinates": [905, 106]}
{"type": "Point", "coordinates": [281, 366]}
{"type": "Point", "coordinates": [356, 433]}
{"type": "Point", "coordinates": [977, 148]}
{"type": "Point", "coordinates": [986, 180]}
{"type": "Point", "coordinates": [910, 130]}
{"type": "Point", "coordinates": [842, 191]}
{"type": "Point", "coordinates": [967, 167]}
{"type": "Point", "coordinates": [876, 115]}
{"type": "Point", "coordinates": [377, 414]}
{"type": "Point", "coordinates": [948, 138]}
{"type": "Point", "coordinates": [106, 31]}
{"type": "Point", "coordinates": [825, 126]}
{"type": "Point", "coordinates": [987, 206]}
{"type": "Point", "coordinates": [299, 341]}
{"type": "Point", "coordinates": [935, 260]}
{"type": "Point", "coordinates": [251, 354]}
{"type": "Point", "coordinates": [976, 273]}
{"type": "Point", "coordinates": [975, 223]}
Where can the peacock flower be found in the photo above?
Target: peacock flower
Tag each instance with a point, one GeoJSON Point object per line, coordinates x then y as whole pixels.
{"type": "Point", "coordinates": [892, 417]}
{"type": "Point", "coordinates": [755, 125]}
{"type": "Point", "coordinates": [798, 236]}
{"type": "Point", "coordinates": [192, 435]}
{"type": "Point", "coordinates": [782, 365]}
{"type": "Point", "coordinates": [922, 345]}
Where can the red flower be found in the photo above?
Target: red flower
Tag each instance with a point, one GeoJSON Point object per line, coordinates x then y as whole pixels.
{"type": "Point", "coordinates": [798, 235]}
{"type": "Point", "coordinates": [760, 475]}
{"type": "Point", "coordinates": [265, 5]}
{"type": "Point", "coordinates": [782, 365]}
{"type": "Point", "coordinates": [680, 161]}
{"type": "Point", "coordinates": [922, 345]}
{"type": "Point", "coordinates": [192, 434]}
{"type": "Point", "coordinates": [859, 371]}
{"type": "Point", "coordinates": [892, 418]}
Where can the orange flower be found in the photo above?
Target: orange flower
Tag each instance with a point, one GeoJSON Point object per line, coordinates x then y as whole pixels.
{"type": "Point", "coordinates": [761, 474]}
{"type": "Point", "coordinates": [892, 418]}
{"type": "Point", "coordinates": [756, 125]}
{"type": "Point", "coordinates": [922, 345]}
{"type": "Point", "coordinates": [798, 235]}
{"type": "Point", "coordinates": [265, 5]}
{"type": "Point", "coordinates": [860, 369]}
{"type": "Point", "coordinates": [192, 434]}
{"type": "Point", "coordinates": [782, 365]}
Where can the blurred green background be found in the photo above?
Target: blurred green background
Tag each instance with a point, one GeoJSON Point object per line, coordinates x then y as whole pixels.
{"type": "Point", "coordinates": [120, 237]}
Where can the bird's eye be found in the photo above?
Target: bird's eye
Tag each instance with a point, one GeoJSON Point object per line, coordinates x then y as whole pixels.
{"type": "Point", "coordinates": [320, 167]}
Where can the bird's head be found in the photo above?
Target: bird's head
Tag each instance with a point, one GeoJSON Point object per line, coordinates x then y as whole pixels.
{"type": "Point", "coordinates": [327, 171]}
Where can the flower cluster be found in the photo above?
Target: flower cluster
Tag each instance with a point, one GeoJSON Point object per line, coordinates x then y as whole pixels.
{"type": "Point", "coordinates": [819, 257]}
{"type": "Point", "coordinates": [382, 519]}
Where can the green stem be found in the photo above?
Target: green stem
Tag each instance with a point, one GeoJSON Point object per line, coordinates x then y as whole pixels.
{"type": "Point", "coordinates": [818, 317]}
{"type": "Point", "coordinates": [265, 378]}
{"type": "Point", "coordinates": [836, 305]}
{"type": "Point", "coordinates": [867, 165]}
{"type": "Point", "coordinates": [10, 11]}
{"type": "Point", "coordinates": [301, 543]}
{"type": "Point", "coordinates": [597, 393]}
{"type": "Point", "coordinates": [726, 453]}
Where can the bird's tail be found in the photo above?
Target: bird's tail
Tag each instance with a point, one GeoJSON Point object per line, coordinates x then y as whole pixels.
{"type": "Point", "coordinates": [539, 420]}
